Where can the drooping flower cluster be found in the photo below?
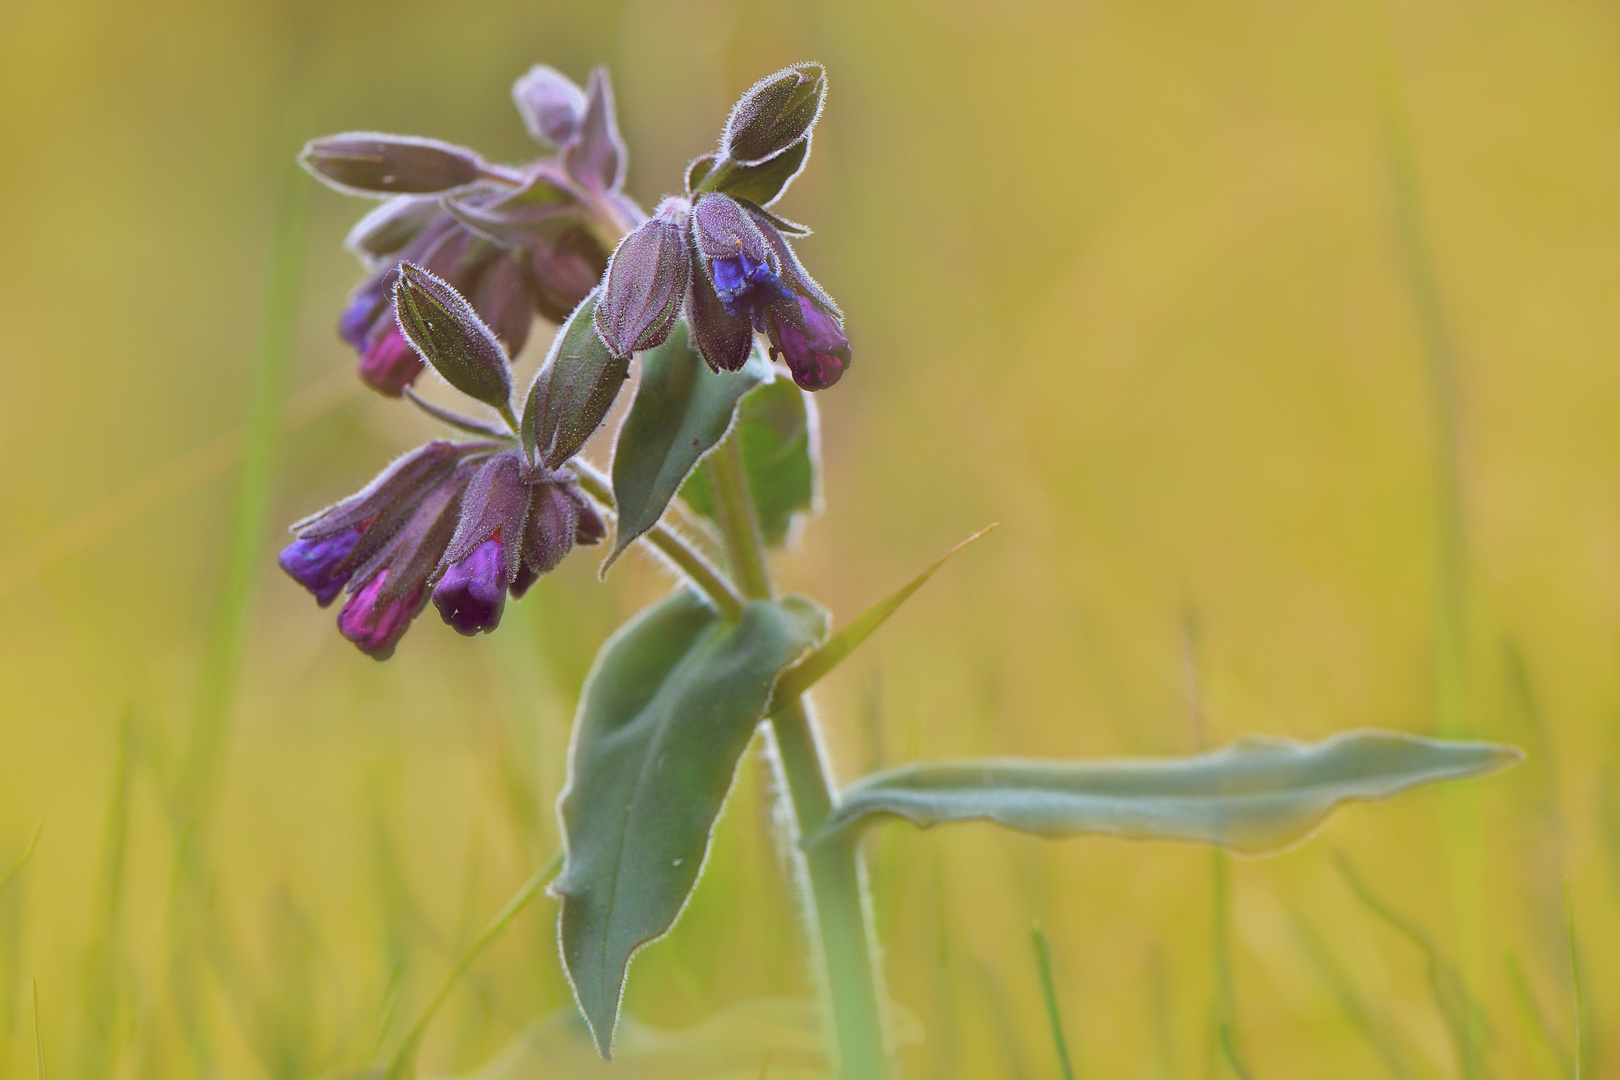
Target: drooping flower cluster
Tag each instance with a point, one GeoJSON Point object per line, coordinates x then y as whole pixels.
{"type": "Point", "coordinates": [463, 524]}
{"type": "Point", "coordinates": [460, 523]}
{"type": "Point", "coordinates": [723, 260]}
{"type": "Point", "coordinates": [513, 240]}
{"type": "Point", "coordinates": [462, 253]}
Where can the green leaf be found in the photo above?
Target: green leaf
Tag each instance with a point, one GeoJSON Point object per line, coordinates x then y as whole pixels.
{"type": "Point", "coordinates": [681, 410]}
{"type": "Point", "coordinates": [807, 672]}
{"type": "Point", "coordinates": [1257, 795]}
{"type": "Point", "coordinates": [763, 183]}
{"type": "Point", "coordinates": [574, 388]}
{"type": "Point", "coordinates": [776, 431]}
{"type": "Point", "coordinates": [664, 717]}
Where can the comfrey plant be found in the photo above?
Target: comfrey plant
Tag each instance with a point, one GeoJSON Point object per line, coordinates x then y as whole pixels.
{"type": "Point", "coordinates": [727, 332]}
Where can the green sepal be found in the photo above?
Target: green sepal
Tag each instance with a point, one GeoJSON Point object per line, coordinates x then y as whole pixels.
{"type": "Point", "coordinates": [763, 183]}
{"type": "Point", "coordinates": [573, 390]}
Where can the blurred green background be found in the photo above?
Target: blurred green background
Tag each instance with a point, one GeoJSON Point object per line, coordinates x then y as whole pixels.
{"type": "Point", "coordinates": [1185, 296]}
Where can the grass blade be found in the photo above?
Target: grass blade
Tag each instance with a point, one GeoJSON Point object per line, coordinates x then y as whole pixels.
{"type": "Point", "coordinates": [1533, 1016]}
{"type": "Point", "coordinates": [1459, 1011]}
{"type": "Point", "coordinates": [39, 1037]}
{"type": "Point", "coordinates": [406, 1052]}
{"type": "Point", "coordinates": [1575, 980]}
{"type": "Point", "coordinates": [250, 520]}
{"type": "Point", "coordinates": [801, 676]}
{"type": "Point", "coordinates": [22, 861]}
{"type": "Point", "coordinates": [1043, 961]}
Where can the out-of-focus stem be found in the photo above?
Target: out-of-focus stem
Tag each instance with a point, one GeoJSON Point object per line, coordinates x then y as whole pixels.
{"type": "Point", "coordinates": [836, 894]}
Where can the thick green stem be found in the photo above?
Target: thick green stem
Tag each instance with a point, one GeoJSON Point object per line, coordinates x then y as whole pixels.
{"type": "Point", "coordinates": [735, 509]}
{"type": "Point", "coordinates": [836, 893]}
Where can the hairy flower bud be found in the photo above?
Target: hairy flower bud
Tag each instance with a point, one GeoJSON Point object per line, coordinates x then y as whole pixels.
{"type": "Point", "coordinates": [443, 327]}
{"type": "Point", "coordinates": [375, 621]}
{"type": "Point", "coordinates": [320, 563]}
{"type": "Point", "coordinates": [504, 299]}
{"type": "Point", "coordinates": [565, 271]}
{"type": "Point", "coordinates": [815, 348]}
{"type": "Point", "coordinates": [551, 105]}
{"type": "Point", "coordinates": [483, 556]}
{"type": "Point", "coordinates": [472, 593]}
{"type": "Point", "coordinates": [383, 543]}
{"type": "Point", "coordinates": [392, 225]}
{"type": "Point", "coordinates": [774, 113]}
{"type": "Point", "coordinates": [389, 364]}
{"type": "Point", "coordinates": [370, 163]}
{"type": "Point", "coordinates": [646, 285]}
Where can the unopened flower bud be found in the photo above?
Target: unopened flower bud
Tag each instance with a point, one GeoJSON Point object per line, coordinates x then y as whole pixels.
{"type": "Point", "coordinates": [375, 622]}
{"type": "Point", "coordinates": [590, 529]}
{"type": "Point", "coordinates": [472, 593]}
{"type": "Point", "coordinates": [646, 285]}
{"type": "Point", "coordinates": [443, 327]}
{"type": "Point", "coordinates": [550, 103]}
{"type": "Point", "coordinates": [775, 113]}
{"type": "Point", "coordinates": [392, 225]}
{"type": "Point", "coordinates": [483, 556]}
{"type": "Point", "coordinates": [565, 271]}
{"type": "Point", "coordinates": [319, 563]}
{"type": "Point", "coordinates": [370, 163]}
{"type": "Point", "coordinates": [815, 348]}
{"type": "Point", "coordinates": [505, 300]}
{"type": "Point", "coordinates": [389, 364]}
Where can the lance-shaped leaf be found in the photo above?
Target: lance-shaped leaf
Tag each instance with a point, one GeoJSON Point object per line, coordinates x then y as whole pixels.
{"type": "Point", "coordinates": [371, 163]}
{"type": "Point", "coordinates": [832, 652]}
{"type": "Point", "coordinates": [664, 717]}
{"type": "Point", "coordinates": [1255, 796]}
{"type": "Point", "coordinates": [445, 330]}
{"type": "Point", "coordinates": [681, 410]}
{"type": "Point", "coordinates": [762, 184]}
{"type": "Point", "coordinates": [781, 452]}
{"type": "Point", "coordinates": [574, 388]}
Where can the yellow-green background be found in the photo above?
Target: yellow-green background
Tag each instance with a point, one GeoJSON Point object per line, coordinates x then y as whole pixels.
{"type": "Point", "coordinates": [1129, 278]}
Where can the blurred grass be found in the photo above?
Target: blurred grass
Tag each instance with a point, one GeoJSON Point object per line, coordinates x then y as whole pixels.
{"type": "Point", "coordinates": [1131, 279]}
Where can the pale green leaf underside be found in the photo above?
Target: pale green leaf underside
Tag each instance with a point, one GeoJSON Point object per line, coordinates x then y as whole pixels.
{"type": "Point", "coordinates": [681, 410]}
{"type": "Point", "coordinates": [664, 717]}
{"type": "Point", "coordinates": [1257, 795]}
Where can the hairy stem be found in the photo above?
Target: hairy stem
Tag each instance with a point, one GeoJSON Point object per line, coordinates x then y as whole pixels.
{"type": "Point", "coordinates": [669, 543]}
{"type": "Point", "coordinates": [836, 882]}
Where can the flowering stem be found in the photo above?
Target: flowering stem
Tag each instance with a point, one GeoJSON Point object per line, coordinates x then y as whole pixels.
{"type": "Point", "coordinates": [836, 893]}
{"type": "Point", "coordinates": [669, 543]}
{"type": "Point", "coordinates": [735, 509]}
